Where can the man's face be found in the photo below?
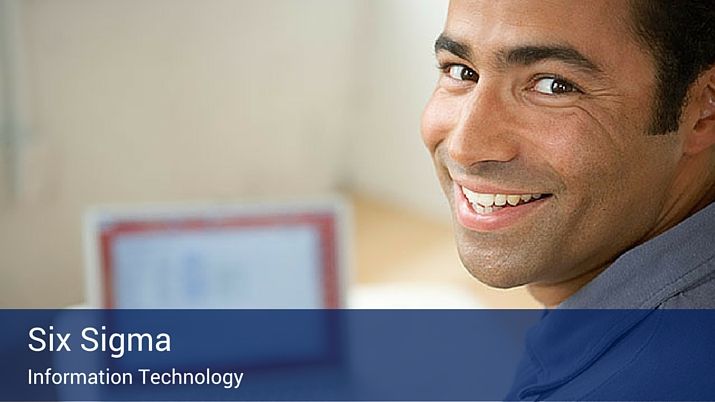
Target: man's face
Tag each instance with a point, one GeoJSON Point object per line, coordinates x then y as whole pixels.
{"type": "Point", "coordinates": [538, 130]}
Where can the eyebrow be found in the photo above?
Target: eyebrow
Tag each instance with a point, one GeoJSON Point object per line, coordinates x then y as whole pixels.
{"type": "Point", "coordinates": [445, 43]}
{"type": "Point", "coordinates": [523, 55]}
{"type": "Point", "coordinates": [528, 55]}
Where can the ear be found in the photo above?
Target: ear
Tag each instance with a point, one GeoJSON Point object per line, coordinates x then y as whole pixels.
{"type": "Point", "coordinates": [702, 134]}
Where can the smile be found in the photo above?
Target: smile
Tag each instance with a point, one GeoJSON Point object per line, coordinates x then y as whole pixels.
{"type": "Point", "coordinates": [485, 204]}
{"type": "Point", "coordinates": [487, 212]}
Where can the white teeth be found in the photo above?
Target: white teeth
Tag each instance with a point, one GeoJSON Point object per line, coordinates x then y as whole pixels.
{"type": "Point", "coordinates": [485, 199]}
{"type": "Point", "coordinates": [471, 195]}
{"type": "Point", "coordinates": [488, 203]}
{"type": "Point", "coordinates": [513, 199]}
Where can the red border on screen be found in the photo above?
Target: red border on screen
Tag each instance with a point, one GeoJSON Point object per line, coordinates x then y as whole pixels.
{"type": "Point", "coordinates": [324, 222]}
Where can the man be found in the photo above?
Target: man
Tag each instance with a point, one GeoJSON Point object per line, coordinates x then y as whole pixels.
{"type": "Point", "coordinates": [575, 141]}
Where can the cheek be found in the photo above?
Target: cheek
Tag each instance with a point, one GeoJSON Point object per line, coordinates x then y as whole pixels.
{"type": "Point", "coordinates": [605, 164]}
{"type": "Point", "coordinates": [439, 118]}
{"type": "Point", "coordinates": [579, 151]}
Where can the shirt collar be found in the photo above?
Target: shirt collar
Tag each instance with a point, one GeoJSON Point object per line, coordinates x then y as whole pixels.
{"type": "Point", "coordinates": [649, 274]}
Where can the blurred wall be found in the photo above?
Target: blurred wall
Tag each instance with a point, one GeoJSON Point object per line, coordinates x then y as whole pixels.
{"type": "Point", "coordinates": [397, 75]}
{"type": "Point", "coordinates": [168, 100]}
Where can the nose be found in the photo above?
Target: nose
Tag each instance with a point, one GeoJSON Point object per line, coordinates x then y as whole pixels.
{"type": "Point", "coordinates": [482, 132]}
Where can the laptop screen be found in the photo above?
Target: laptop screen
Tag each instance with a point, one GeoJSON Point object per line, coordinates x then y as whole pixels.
{"type": "Point", "coordinates": [237, 256]}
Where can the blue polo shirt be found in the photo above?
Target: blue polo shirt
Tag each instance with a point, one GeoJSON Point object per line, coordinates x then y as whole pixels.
{"type": "Point", "coordinates": [641, 330]}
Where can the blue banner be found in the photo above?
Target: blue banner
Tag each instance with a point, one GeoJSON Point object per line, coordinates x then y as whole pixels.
{"type": "Point", "coordinates": [360, 355]}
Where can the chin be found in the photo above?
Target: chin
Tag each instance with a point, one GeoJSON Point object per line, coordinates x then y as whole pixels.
{"type": "Point", "coordinates": [496, 279]}
{"type": "Point", "coordinates": [502, 273]}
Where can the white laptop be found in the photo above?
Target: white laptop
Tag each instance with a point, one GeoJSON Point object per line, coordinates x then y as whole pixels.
{"type": "Point", "coordinates": [249, 255]}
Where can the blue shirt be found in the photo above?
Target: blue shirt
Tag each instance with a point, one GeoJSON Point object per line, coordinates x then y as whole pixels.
{"type": "Point", "coordinates": [630, 334]}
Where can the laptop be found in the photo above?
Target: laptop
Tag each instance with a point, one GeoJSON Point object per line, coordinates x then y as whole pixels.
{"type": "Point", "coordinates": [275, 255]}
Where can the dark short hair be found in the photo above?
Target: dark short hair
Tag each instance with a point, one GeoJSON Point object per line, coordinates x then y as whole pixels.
{"type": "Point", "coordinates": [680, 35]}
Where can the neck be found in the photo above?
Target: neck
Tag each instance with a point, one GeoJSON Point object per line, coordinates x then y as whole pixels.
{"type": "Point", "coordinates": [691, 192]}
{"type": "Point", "coordinates": [551, 295]}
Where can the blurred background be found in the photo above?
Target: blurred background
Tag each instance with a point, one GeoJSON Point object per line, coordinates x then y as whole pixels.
{"type": "Point", "coordinates": [168, 101]}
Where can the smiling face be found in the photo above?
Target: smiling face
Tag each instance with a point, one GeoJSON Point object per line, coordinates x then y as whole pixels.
{"type": "Point", "coordinates": [538, 129]}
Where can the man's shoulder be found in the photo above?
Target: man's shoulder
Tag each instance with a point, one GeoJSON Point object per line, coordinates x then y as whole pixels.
{"type": "Point", "coordinates": [698, 295]}
{"type": "Point", "coordinates": [665, 356]}
{"type": "Point", "coordinates": [668, 358]}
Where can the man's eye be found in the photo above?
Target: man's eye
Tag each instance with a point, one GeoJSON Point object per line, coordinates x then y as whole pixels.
{"type": "Point", "coordinates": [554, 86]}
{"type": "Point", "coordinates": [462, 73]}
